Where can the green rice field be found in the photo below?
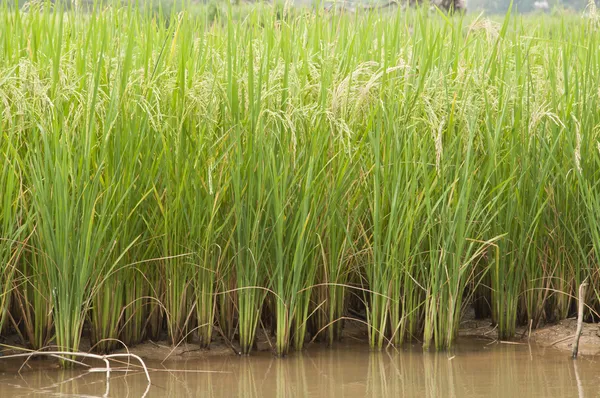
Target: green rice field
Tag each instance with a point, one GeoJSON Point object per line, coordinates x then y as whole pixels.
{"type": "Point", "coordinates": [218, 172]}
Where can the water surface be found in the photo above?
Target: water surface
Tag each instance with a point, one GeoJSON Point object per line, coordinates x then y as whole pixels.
{"type": "Point", "coordinates": [474, 369]}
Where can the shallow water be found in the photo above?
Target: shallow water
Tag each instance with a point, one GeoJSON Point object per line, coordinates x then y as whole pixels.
{"type": "Point", "coordinates": [474, 369]}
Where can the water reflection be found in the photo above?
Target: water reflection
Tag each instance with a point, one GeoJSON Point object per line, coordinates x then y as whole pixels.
{"type": "Point", "coordinates": [474, 369]}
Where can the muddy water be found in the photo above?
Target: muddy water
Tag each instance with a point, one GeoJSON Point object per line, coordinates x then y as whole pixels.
{"type": "Point", "coordinates": [473, 369]}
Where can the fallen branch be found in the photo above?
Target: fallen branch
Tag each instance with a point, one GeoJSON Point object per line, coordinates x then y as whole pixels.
{"type": "Point", "coordinates": [65, 355]}
{"type": "Point", "coordinates": [582, 289]}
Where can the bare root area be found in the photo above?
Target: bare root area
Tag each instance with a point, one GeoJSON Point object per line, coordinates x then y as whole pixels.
{"type": "Point", "coordinates": [558, 335]}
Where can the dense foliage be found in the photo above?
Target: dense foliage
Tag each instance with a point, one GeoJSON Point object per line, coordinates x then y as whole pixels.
{"type": "Point", "coordinates": [225, 172]}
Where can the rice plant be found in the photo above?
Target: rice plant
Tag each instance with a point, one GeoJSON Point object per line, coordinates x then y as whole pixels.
{"type": "Point", "coordinates": [12, 232]}
{"type": "Point", "coordinates": [256, 166]}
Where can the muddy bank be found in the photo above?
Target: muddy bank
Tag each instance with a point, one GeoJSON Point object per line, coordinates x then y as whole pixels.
{"type": "Point", "coordinates": [558, 336]}
{"type": "Point", "coordinates": [354, 333]}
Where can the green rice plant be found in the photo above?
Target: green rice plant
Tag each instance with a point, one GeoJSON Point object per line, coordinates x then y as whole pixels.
{"type": "Point", "coordinates": [584, 161]}
{"type": "Point", "coordinates": [128, 142]}
{"type": "Point", "coordinates": [211, 259]}
{"type": "Point", "coordinates": [32, 314]}
{"type": "Point", "coordinates": [293, 163]}
{"type": "Point", "coordinates": [177, 246]}
{"type": "Point", "coordinates": [250, 237]}
{"type": "Point", "coordinates": [396, 208]}
{"type": "Point", "coordinates": [22, 100]}
{"type": "Point", "coordinates": [289, 211]}
{"type": "Point", "coordinates": [461, 201]}
{"type": "Point", "coordinates": [72, 226]}
{"type": "Point", "coordinates": [338, 222]}
{"type": "Point", "coordinates": [74, 210]}
{"type": "Point", "coordinates": [12, 222]}
{"type": "Point", "coordinates": [521, 220]}
{"type": "Point", "coordinates": [184, 173]}
{"type": "Point", "coordinates": [456, 241]}
{"type": "Point", "coordinates": [209, 185]}
{"type": "Point", "coordinates": [459, 214]}
{"type": "Point", "coordinates": [226, 303]}
{"type": "Point", "coordinates": [118, 301]}
{"type": "Point", "coordinates": [588, 187]}
{"type": "Point", "coordinates": [191, 157]}
{"type": "Point", "coordinates": [515, 150]}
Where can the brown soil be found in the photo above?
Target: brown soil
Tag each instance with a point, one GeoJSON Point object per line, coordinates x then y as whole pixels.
{"type": "Point", "coordinates": [558, 335]}
{"type": "Point", "coordinates": [159, 351]}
